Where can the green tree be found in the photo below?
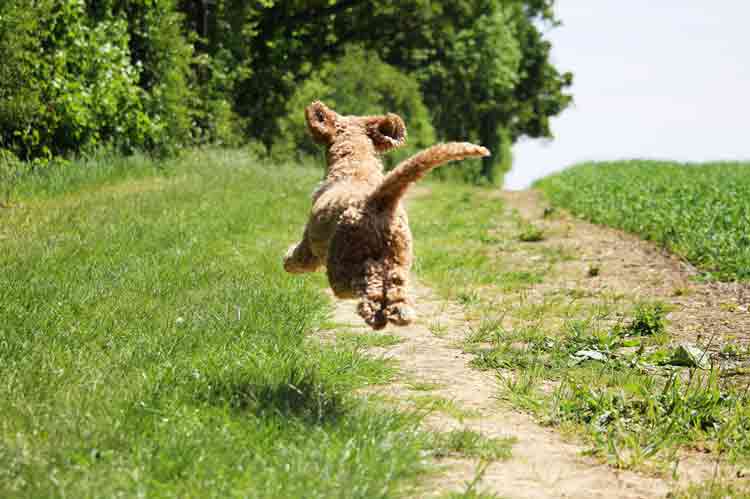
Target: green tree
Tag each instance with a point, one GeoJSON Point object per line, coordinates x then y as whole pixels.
{"type": "Point", "coordinates": [66, 83]}
{"type": "Point", "coordinates": [482, 65]}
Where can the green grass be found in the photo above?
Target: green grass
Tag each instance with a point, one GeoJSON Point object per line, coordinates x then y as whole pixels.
{"type": "Point", "coordinates": [469, 443]}
{"type": "Point", "coordinates": [617, 382]}
{"type": "Point", "coordinates": [365, 340]}
{"type": "Point", "coordinates": [455, 227]}
{"type": "Point", "coordinates": [715, 489]}
{"type": "Point", "coordinates": [151, 345]}
{"type": "Point", "coordinates": [435, 403]}
{"type": "Point", "coordinates": [701, 212]}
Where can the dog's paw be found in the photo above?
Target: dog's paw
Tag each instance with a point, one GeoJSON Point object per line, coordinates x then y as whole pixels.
{"type": "Point", "coordinates": [372, 314]}
{"type": "Point", "coordinates": [289, 263]}
{"type": "Point", "coordinates": [401, 314]}
{"type": "Point", "coordinates": [299, 260]}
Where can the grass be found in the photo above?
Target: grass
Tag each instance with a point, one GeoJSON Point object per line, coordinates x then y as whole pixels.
{"type": "Point", "coordinates": [701, 212]}
{"type": "Point", "coordinates": [588, 360]}
{"type": "Point", "coordinates": [715, 489]}
{"type": "Point", "coordinates": [469, 443]}
{"type": "Point", "coordinates": [365, 340]}
{"type": "Point", "coordinates": [458, 236]}
{"type": "Point", "coordinates": [620, 383]}
{"type": "Point", "coordinates": [151, 345]}
{"type": "Point", "coordinates": [436, 403]}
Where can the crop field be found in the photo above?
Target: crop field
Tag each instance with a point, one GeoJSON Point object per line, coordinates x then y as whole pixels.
{"type": "Point", "coordinates": [701, 212]}
{"type": "Point", "coordinates": [151, 345]}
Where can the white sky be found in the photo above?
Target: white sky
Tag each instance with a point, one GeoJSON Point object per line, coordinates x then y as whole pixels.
{"type": "Point", "coordinates": [652, 79]}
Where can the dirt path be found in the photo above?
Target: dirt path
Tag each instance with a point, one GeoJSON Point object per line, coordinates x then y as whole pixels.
{"type": "Point", "coordinates": [544, 464]}
{"type": "Point", "coordinates": [710, 313]}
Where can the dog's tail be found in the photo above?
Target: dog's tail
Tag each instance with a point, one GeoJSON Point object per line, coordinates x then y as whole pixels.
{"type": "Point", "coordinates": [398, 180]}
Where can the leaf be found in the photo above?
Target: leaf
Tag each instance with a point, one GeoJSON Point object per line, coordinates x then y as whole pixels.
{"type": "Point", "coordinates": [689, 356]}
{"type": "Point", "coordinates": [584, 355]}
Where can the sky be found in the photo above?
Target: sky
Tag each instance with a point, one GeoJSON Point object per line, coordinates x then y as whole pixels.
{"type": "Point", "coordinates": [663, 79]}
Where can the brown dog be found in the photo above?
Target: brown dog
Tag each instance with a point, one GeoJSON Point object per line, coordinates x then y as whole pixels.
{"type": "Point", "coordinates": [358, 226]}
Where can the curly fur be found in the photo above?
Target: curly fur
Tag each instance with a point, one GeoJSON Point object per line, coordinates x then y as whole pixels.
{"type": "Point", "coordinates": [358, 227]}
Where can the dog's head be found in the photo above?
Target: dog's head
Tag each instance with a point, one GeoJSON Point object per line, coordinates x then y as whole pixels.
{"type": "Point", "coordinates": [327, 127]}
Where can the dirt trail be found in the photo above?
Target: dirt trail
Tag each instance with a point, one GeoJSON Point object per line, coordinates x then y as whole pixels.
{"type": "Point", "coordinates": [707, 312]}
{"type": "Point", "coordinates": [544, 464]}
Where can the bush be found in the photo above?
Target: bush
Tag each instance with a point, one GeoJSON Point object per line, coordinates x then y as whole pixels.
{"type": "Point", "coordinates": [77, 75]}
{"type": "Point", "coordinates": [215, 121]}
{"type": "Point", "coordinates": [164, 55]}
{"type": "Point", "coordinates": [66, 83]}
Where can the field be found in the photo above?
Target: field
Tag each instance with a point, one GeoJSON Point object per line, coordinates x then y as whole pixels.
{"type": "Point", "coordinates": [150, 344]}
{"type": "Point", "coordinates": [700, 212]}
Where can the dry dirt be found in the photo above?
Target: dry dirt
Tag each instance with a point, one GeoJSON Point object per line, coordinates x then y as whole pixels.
{"type": "Point", "coordinates": [544, 464]}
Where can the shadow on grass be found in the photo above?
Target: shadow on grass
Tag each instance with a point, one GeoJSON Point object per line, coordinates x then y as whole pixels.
{"type": "Point", "coordinates": [300, 395]}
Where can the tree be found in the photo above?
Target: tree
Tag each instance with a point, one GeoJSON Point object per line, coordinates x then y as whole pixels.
{"type": "Point", "coordinates": [482, 65]}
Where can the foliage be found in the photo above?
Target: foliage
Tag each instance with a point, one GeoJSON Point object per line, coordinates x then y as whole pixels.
{"type": "Point", "coordinates": [66, 83]}
{"type": "Point", "coordinates": [164, 54]}
{"type": "Point", "coordinates": [150, 342]}
{"type": "Point", "coordinates": [359, 83]}
{"type": "Point", "coordinates": [648, 319]}
{"type": "Point", "coordinates": [701, 212]}
{"type": "Point", "coordinates": [482, 65]}
{"type": "Point", "coordinates": [470, 443]}
{"type": "Point", "coordinates": [161, 74]}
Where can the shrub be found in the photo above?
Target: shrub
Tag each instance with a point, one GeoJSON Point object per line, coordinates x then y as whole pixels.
{"type": "Point", "coordinates": [66, 83]}
{"type": "Point", "coordinates": [79, 74]}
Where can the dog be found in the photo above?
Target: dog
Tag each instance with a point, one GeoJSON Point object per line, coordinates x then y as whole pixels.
{"type": "Point", "coordinates": [358, 227]}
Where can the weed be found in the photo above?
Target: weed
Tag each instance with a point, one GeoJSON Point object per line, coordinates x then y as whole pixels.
{"type": "Point", "coordinates": [648, 320]}
{"type": "Point", "coordinates": [714, 489]}
{"type": "Point", "coordinates": [366, 340]}
{"type": "Point", "coordinates": [468, 297]}
{"type": "Point", "coordinates": [440, 404]}
{"type": "Point", "coordinates": [424, 386]}
{"type": "Point", "coordinates": [487, 329]}
{"type": "Point", "coordinates": [530, 233]}
{"type": "Point", "coordinates": [471, 491]}
{"type": "Point", "coordinates": [437, 328]}
{"type": "Point", "coordinates": [593, 271]}
{"type": "Point", "coordinates": [469, 443]}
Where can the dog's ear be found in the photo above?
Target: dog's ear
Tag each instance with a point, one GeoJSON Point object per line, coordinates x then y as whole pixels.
{"type": "Point", "coordinates": [386, 132]}
{"type": "Point", "coordinates": [321, 122]}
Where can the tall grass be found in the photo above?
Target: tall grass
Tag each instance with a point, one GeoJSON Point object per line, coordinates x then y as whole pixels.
{"type": "Point", "coordinates": [701, 212]}
{"type": "Point", "coordinates": [151, 345]}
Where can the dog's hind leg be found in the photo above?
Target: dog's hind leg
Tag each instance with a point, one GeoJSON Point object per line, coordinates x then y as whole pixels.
{"type": "Point", "coordinates": [300, 258]}
{"type": "Point", "coordinates": [367, 286]}
{"type": "Point", "coordinates": [382, 291]}
{"type": "Point", "coordinates": [398, 308]}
